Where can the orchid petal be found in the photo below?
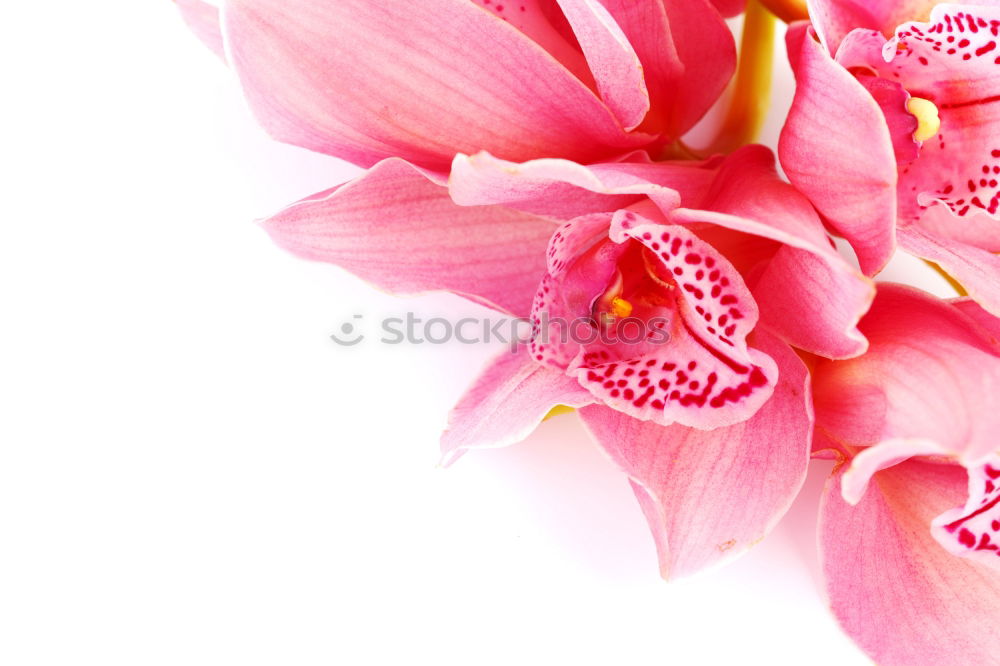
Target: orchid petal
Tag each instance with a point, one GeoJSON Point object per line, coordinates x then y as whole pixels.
{"type": "Point", "coordinates": [904, 599]}
{"type": "Point", "coordinates": [706, 47]}
{"type": "Point", "coordinates": [613, 62]}
{"type": "Point", "coordinates": [648, 30]}
{"type": "Point", "coordinates": [369, 79]}
{"type": "Point", "coordinates": [399, 229]}
{"type": "Point", "coordinates": [975, 269]}
{"type": "Point", "coordinates": [545, 24]}
{"type": "Point", "coordinates": [687, 360]}
{"type": "Point", "coordinates": [806, 291]}
{"type": "Point", "coordinates": [730, 8]}
{"type": "Point", "coordinates": [975, 229]}
{"type": "Point", "coordinates": [686, 52]}
{"type": "Point", "coordinates": [564, 189]}
{"type": "Point", "coordinates": [973, 530]}
{"type": "Point", "coordinates": [710, 496]}
{"type": "Point", "coordinates": [930, 374]}
{"type": "Point", "coordinates": [990, 324]}
{"type": "Point", "coordinates": [506, 403]}
{"type": "Point", "coordinates": [203, 20]}
{"type": "Point", "coordinates": [892, 99]}
{"type": "Point", "coordinates": [832, 114]}
{"type": "Point", "coordinates": [751, 198]}
{"type": "Point", "coordinates": [834, 19]}
{"type": "Point", "coordinates": [886, 454]}
{"type": "Point", "coordinates": [704, 375]}
{"type": "Point", "coordinates": [952, 61]}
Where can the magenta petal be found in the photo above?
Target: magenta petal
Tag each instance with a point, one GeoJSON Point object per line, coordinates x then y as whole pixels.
{"type": "Point", "coordinates": [905, 600]}
{"type": "Point", "coordinates": [506, 403]}
{"type": "Point", "coordinates": [396, 228]}
{"type": "Point", "coordinates": [370, 79]}
{"type": "Point", "coordinates": [831, 116]}
{"type": "Point", "coordinates": [711, 495]}
{"type": "Point", "coordinates": [203, 20]}
{"type": "Point", "coordinates": [978, 271]}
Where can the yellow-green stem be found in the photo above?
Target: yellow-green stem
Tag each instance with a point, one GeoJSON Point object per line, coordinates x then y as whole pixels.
{"type": "Point", "coordinates": [752, 90]}
{"type": "Point", "coordinates": [959, 289]}
{"type": "Point", "coordinates": [787, 10]}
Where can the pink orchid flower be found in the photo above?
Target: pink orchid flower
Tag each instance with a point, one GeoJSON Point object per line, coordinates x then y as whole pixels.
{"type": "Point", "coordinates": [911, 543]}
{"type": "Point", "coordinates": [365, 80]}
{"type": "Point", "coordinates": [735, 261]}
{"type": "Point", "coordinates": [898, 139]}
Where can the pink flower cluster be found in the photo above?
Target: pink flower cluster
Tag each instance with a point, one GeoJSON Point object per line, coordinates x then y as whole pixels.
{"type": "Point", "coordinates": [530, 155]}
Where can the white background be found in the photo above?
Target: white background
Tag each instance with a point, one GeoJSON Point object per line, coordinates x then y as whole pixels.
{"type": "Point", "coordinates": [192, 473]}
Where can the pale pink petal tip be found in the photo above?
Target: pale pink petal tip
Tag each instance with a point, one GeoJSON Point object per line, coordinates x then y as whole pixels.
{"type": "Point", "coordinates": [506, 403]}
{"type": "Point", "coordinates": [202, 19]}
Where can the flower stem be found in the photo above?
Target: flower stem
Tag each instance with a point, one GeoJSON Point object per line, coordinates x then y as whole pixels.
{"type": "Point", "coordinates": [752, 91]}
{"type": "Point", "coordinates": [952, 282]}
{"type": "Point", "coordinates": [787, 10]}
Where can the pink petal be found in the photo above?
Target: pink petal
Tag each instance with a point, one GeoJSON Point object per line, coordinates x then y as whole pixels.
{"type": "Point", "coordinates": [930, 374]}
{"type": "Point", "coordinates": [752, 200]}
{"type": "Point", "coordinates": [369, 79]}
{"type": "Point", "coordinates": [977, 270]}
{"type": "Point", "coordinates": [892, 99]}
{"type": "Point", "coordinates": [886, 454]}
{"type": "Point", "coordinates": [704, 375]}
{"type": "Point", "coordinates": [973, 531]}
{"type": "Point", "coordinates": [648, 30]}
{"type": "Point", "coordinates": [832, 114]}
{"type": "Point", "coordinates": [396, 228]}
{"type": "Point", "coordinates": [564, 189]}
{"type": "Point", "coordinates": [834, 19]}
{"type": "Point", "coordinates": [989, 323]}
{"type": "Point", "coordinates": [507, 403]}
{"type": "Point", "coordinates": [706, 46]}
{"type": "Point", "coordinates": [709, 496]}
{"type": "Point", "coordinates": [581, 263]}
{"type": "Point", "coordinates": [544, 22]}
{"type": "Point", "coordinates": [613, 61]}
{"type": "Point", "coordinates": [952, 61]}
{"type": "Point", "coordinates": [807, 292]}
{"type": "Point", "coordinates": [904, 599]}
{"type": "Point", "coordinates": [975, 229]}
{"type": "Point", "coordinates": [203, 20]}
{"type": "Point", "coordinates": [730, 8]}
{"type": "Point", "coordinates": [687, 54]}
